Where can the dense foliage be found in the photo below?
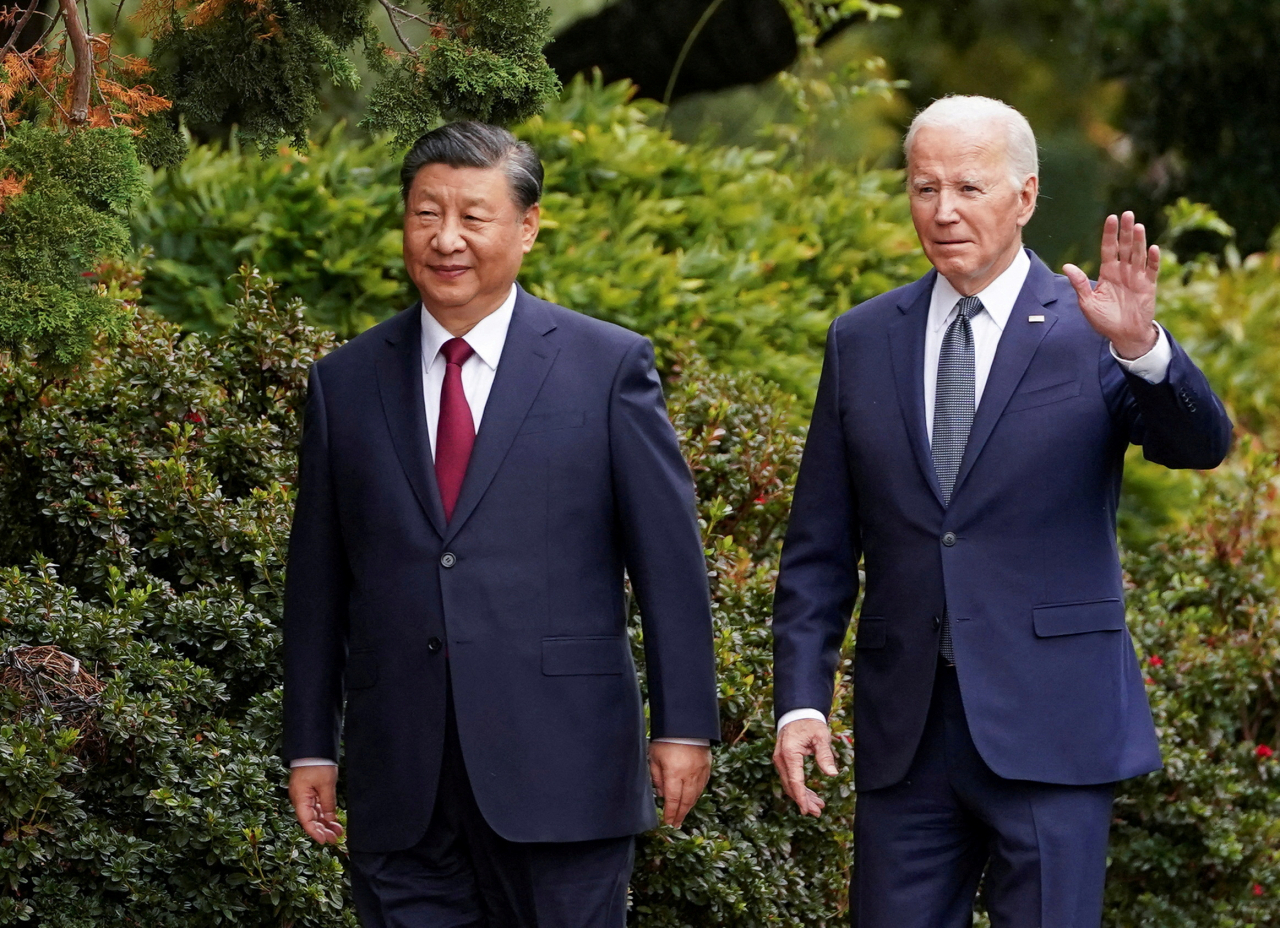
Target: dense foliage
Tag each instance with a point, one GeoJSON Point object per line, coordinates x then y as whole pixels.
{"type": "Point", "coordinates": [751, 256]}
{"type": "Point", "coordinates": [63, 198]}
{"type": "Point", "coordinates": [1198, 844]}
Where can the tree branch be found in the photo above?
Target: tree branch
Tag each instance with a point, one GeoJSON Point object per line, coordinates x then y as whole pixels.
{"type": "Point", "coordinates": [394, 11]}
{"type": "Point", "coordinates": [82, 74]}
{"type": "Point", "coordinates": [391, 14]}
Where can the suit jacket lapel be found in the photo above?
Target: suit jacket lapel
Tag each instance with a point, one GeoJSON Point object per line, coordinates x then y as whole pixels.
{"type": "Point", "coordinates": [906, 346]}
{"type": "Point", "coordinates": [1018, 344]}
{"type": "Point", "coordinates": [399, 369]}
{"type": "Point", "coordinates": [526, 358]}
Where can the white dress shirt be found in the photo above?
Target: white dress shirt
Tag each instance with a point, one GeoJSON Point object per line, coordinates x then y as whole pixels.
{"type": "Point", "coordinates": [997, 305]}
{"type": "Point", "coordinates": [486, 339]}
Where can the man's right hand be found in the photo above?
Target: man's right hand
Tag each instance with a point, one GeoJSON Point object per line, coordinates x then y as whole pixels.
{"type": "Point", "coordinates": [314, 794]}
{"type": "Point", "coordinates": [796, 741]}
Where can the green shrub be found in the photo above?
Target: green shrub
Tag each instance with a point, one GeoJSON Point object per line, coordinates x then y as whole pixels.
{"type": "Point", "coordinates": [142, 529]}
{"type": "Point", "coordinates": [749, 256]}
{"type": "Point", "coordinates": [1198, 844]}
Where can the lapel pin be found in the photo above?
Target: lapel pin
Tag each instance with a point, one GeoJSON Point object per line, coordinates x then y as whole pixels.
{"type": "Point", "coordinates": [1035, 318]}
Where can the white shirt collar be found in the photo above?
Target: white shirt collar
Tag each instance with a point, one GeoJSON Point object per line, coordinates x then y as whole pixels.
{"type": "Point", "coordinates": [997, 297]}
{"type": "Point", "coordinates": [486, 338]}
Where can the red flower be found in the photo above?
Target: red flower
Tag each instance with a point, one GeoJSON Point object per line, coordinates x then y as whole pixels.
{"type": "Point", "coordinates": [760, 498]}
{"type": "Point", "coordinates": [1257, 889]}
{"type": "Point", "coordinates": [1150, 682]}
{"type": "Point", "coordinates": [195, 417]}
{"type": "Point", "coordinates": [1264, 751]}
{"type": "Point", "coordinates": [1155, 661]}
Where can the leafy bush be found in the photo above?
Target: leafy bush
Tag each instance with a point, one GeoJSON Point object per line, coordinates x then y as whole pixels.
{"type": "Point", "coordinates": [1198, 844]}
{"type": "Point", "coordinates": [747, 254]}
{"type": "Point", "coordinates": [325, 223]}
{"type": "Point", "coordinates": [145, 507]}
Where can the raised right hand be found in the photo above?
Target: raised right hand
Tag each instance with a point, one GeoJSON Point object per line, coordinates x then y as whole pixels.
{"type": "Point", "coordinates": [798, 740]}
{"type": "Point", "coordinates": [314, 794]}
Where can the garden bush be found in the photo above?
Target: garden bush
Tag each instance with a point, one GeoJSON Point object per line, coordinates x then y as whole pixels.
{"type": "Point", "coordinates": [749, 253]}
{"type": "Point", "coordinates": [1198, 843]}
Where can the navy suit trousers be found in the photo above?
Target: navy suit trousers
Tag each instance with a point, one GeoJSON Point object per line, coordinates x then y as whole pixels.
{"type": "Point", "coordinates": [924, 846]}
{"type": "Point", "coordinates": [463, 874]}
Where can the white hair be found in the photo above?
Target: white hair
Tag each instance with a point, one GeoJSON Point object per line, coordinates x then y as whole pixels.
{"type": "Point", "coordinates": [960, 112]}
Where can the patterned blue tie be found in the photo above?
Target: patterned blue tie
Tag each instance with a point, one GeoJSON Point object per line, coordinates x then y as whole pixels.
{"type": "Point", "coordinates": [953, 409]}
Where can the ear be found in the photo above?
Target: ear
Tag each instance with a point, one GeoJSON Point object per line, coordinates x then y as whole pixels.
{"type": "Point", "coordinates": [1027, 198]}
{"type": "Point", "coordinates": [529, 225]}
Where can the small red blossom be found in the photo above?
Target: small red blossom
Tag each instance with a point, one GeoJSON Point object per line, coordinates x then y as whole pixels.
{"type": "Point", "coordinates": [1150, 682]}
{"type": "Point", "coordinates": [1257, 889]}
{"type": "Point", "coordinates": [760, 499]}
{"type": "Point", "coordinates": [195, 417]}
{"type": "Point", "coordinates": [1264, 751]}
{"type": "Point", "coordinates": [1155, 661]}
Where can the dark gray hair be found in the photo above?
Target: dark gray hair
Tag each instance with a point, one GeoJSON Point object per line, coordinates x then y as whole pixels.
{"type": "Point", "coordinates": [477, 145]}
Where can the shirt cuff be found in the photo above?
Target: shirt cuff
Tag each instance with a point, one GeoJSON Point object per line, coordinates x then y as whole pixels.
{"type": "Point", "coordinates": [696, 742]}
{"type": "Point", "coordinates": [312, 762]}
{"type": "Point", "coordinates": [1153, 367]}
{"type": "Point", "coordinates": [796, 714]}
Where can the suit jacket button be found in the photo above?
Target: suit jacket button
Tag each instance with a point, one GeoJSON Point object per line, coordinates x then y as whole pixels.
{"type": "Point", "coordinates": [937, 623]}
{"type": "Point", "coordinates": [434, 644]}
{"type": "Point", "coordinates": [448, 559]}
{"type": "Point", "coordinates": [949, 539]}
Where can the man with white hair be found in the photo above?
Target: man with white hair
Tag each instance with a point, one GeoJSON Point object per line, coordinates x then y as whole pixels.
{"type": "Point", "coordinates": [967, 445]}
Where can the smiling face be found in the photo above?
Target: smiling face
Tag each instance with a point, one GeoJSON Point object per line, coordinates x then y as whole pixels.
{"type": "Point", "coordinates": [464, 239]}
{"type": "Point", "coordinates": [964, 205]}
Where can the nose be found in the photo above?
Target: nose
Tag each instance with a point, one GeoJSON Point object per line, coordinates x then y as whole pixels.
{"type": "Point", "coordinates": [946, 211]}
{"type": "Point", "coordinates": [448, 238]}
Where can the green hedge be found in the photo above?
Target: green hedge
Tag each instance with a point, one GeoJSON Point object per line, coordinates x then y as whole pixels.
{"type": "Point", "coordinates": [749, 256]}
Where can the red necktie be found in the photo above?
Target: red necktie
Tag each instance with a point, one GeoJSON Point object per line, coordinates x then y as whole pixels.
{"type": "Point", "coordinates": [456, 431]}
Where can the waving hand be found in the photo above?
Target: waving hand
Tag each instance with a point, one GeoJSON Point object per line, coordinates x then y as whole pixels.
{"type": "Point", "coordinates": [1122, 307]}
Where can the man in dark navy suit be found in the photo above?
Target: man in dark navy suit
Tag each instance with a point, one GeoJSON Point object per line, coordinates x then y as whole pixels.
{"type": "Point", "coordinates": [476, 475]}
{"type": "Point", "coordinates": [967, 445]}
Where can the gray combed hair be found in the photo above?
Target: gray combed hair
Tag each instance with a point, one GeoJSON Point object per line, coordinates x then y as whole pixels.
{"type": "Point", "coordinates": [957, 111]}
{"type": "Point", "coordinates": [470, 144]}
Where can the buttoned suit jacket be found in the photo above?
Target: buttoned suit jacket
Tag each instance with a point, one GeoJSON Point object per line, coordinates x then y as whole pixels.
{"type": "Point", "coordinates": [575, 476]}
{"type": "Point", "coordinates": [1024, 558]}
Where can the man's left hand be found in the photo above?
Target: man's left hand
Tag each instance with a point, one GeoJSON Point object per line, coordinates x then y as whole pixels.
{"type": "Point", "coordinates": [680, 772]}
{"type": "Point", "coordinates": [1122, 307]}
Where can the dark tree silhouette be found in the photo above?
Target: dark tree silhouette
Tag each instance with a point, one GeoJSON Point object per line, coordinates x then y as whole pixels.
{"type": "Point", "coordinates": [744, 42]}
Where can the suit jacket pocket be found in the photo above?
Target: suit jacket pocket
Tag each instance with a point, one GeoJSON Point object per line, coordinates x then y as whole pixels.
{"type": "Point", "coordinates": [872, 631]}
{"type": "Point", "coordinates": [546, 422]}
{"type": "Point", "coordinates": [563, 657]}
{"type": "Point", "coordinates": [1099, 615]}
{"type": "Point", "coordinates": [1043, 396]}
{"type": "Point", "coordinates": [362, 670]}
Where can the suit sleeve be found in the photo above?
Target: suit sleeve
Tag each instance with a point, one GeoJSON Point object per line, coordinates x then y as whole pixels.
{"type": "Point", "coordinates": [818, 577]}
{"type": "Point", "coordinates": [662, 546]}
{"type": "Point", "coordinates": [1179, 422]}
{"type": "Point", "coordinates": [315, 600]}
